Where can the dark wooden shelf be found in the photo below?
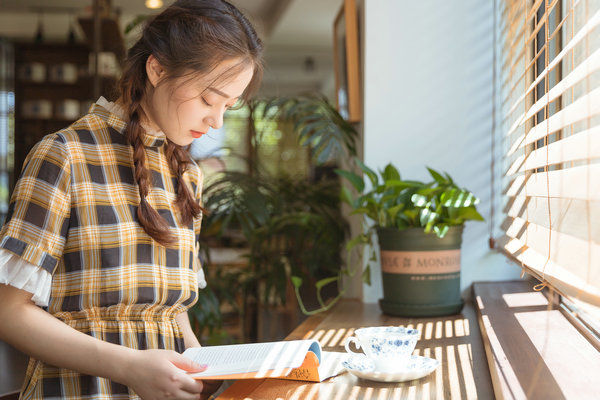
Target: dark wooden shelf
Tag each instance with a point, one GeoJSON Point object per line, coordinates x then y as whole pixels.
{"type": "Point", "coordinates": [28, 131]}
{"type": "Point", "coordinates": [110, 34]}
{"type": "Point", "coordinates": [82, 80]}
{"type": "Point", "coordinates": [47, 83]}
{"type": "Point", "coordinates": [51, 53]}
{"type": "Point", "coordinates": [82, 90]}
{"type": "Point", "coordinates": [45, 120]}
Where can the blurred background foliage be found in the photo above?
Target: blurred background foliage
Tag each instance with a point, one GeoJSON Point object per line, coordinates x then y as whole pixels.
{"type": "Point", "coordinates": [271, 191]}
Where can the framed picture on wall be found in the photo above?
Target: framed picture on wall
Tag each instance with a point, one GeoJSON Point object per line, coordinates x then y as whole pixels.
{"type": "Point", "coordinates": [346, 62]}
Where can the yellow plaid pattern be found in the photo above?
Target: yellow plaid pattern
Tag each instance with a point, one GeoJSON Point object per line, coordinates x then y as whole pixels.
{"type": "Point", "coordinates": [73, 213]}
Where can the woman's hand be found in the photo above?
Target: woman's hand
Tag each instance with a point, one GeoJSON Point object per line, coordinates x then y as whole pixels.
{"type": "Point", "coordinates": [161, 374]}
{"type": "Point", "coordinates": [190, 339]}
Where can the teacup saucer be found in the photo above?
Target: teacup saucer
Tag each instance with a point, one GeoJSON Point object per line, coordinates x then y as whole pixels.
{"type": "Point", "coordinates": [417, 367]}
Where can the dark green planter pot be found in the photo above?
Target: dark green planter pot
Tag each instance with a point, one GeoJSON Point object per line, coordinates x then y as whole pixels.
{"type": "Point", "coordinates": [421, 272]}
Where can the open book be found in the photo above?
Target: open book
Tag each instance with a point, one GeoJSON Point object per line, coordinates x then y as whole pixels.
{"type": "Point", "coordinates": [294, 359]}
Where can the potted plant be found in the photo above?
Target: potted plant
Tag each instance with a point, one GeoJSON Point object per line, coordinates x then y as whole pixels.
{"type": "Point", "coordinates": [419, 228]}
{"type": "Point", "coordinates": [292, 227]}
{"type": "Point", "coordinates": [418, 224]}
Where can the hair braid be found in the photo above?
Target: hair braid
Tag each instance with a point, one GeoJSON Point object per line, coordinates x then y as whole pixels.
{"type": "Point", "coordinates": [189, 35]}
{"type": "Point", "coordinates": [152, 222]}
{"type": "Point", "coordinates": [179, 161]}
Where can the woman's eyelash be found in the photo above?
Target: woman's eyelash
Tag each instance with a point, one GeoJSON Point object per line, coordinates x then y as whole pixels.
{"type": "Point", "coordinates": [227, 106]}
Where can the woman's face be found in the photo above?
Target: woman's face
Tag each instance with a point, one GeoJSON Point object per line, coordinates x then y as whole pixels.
{"type": "Point", "coordinates": [185, 108]}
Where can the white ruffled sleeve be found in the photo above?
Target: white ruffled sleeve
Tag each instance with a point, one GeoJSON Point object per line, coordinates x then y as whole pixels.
{"type": "Point", "coordinates": [21, 274]}
{"type": "Point", "coordinates": [201, 278]}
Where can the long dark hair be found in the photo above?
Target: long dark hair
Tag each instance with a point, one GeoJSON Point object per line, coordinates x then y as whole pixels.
{"type": "Point", "coordinates": [190, 36]}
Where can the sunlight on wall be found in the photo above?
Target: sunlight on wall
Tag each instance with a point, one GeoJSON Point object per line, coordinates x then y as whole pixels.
{"type": "Point", "coordinates": [430, 104]}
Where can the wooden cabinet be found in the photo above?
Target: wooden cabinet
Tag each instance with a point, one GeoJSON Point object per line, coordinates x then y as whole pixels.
{"type": "Point", "coordinates": [53, 87]}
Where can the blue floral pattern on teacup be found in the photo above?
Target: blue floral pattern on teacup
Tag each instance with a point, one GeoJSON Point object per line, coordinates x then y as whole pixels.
{"type": "Point", "coordinates": [358, 363]}
{"type": "Point", "coordinates": [386, 346]}
{"type": "Point", "coordinates": [387, 341]}
{"type": "Point", "coordinates": [391, 347]}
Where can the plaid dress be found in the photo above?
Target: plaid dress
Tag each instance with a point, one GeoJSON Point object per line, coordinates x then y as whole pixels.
{"type": "Point", "coordinates": [73, 213]}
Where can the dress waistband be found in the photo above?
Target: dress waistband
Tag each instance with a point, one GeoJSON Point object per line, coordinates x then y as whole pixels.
{"type": "Point", "coordinates": [123, 313]}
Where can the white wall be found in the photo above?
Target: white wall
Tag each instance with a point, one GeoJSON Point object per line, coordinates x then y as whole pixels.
{"type": "Point", "coordinates": [427, 76]}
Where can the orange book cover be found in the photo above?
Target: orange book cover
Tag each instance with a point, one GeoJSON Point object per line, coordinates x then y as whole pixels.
{"type": "Point", "coordinates": [315, 370]}
{"type": "Point", "coordinates": [307, 371]}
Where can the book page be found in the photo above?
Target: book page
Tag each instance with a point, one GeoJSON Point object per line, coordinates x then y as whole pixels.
{"type": "Point", "coordinates": [266, 359]}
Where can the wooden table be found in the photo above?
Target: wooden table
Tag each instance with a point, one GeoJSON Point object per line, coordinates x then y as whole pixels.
{"type": "Point", "coordinates": [454, 340]}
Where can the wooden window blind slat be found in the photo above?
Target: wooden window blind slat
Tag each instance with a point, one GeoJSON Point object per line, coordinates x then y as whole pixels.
{"type": "Point", "coordinates": [549, 141]}
{"type": "Point", "coordinates": [583, 33]}
{"type": "Point", "coordinates": [581, 109]}
{"type": "Point", "coordinates": [577, 147]}
{"type": "Point", "coordinates": [567, 216]}
{"type": "Point", "coordinates": [536, 239]}
{"type": "Point", "coordinates": [586, 68]}
{"type": "Point", "coordinates": [561, 277]}
{"type": "Point", "coordinates": [570, 183]}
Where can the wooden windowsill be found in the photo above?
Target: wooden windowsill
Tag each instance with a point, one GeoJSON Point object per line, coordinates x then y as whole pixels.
{"type": "Point", "coordinates": [533, 350]}
{"type": "Point", "coordinates": [453, 340]}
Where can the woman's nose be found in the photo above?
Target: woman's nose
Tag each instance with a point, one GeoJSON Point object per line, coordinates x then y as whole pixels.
{"type": "Point", "coordinates": [215, 120]}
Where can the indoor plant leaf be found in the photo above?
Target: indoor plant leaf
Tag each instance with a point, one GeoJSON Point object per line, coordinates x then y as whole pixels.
{"type": "Point", "coordinates": [393, 211]}
{"type": "Point", "coordinates": [437, 176]}
{"type": "Point", "coordinates": [469, 213]}
{"type": "Point", "coordinates": [441, 230]}
{"type": "Point", "coordinates": [296, 281]}
{"type": "Point", "coordinates": [354, 179]}
{"type": "Point", "coordinates": [458, 198]}
{"type": "Point", "coordinates": [420, 201]}
{"type": "Point", "coordinates": [325, 282]}
{"type": "Point", "coordinates": [368, 171]}
{"type": "Point", "coordinates": [395, 183]}
{"type": "Point", "coordinates": [428, 218]}
{"type": "Point", "coordinates": [390, 173]}
{"type": "Point", "coordinates": [366, 275]}
{"type": "Point", "coordinates": [347, 198]}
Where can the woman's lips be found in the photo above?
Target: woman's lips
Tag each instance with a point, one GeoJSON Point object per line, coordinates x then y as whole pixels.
{"type": "Point", "coordinates": [196, 134]}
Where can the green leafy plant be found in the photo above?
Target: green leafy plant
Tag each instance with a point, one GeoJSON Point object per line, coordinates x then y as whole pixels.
{"type": "Point", "coordinates": [391, 202]}
{"type": "Point", "coordinates": [387, 201]}
{"type": "Point", "coordinates": [293, 227]}
{"type": "Point", "coordinates": [317, 124]}
{"type": "Point", "coordinates": [206, 318]}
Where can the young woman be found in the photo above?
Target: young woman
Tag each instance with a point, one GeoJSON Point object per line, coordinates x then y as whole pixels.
{"type": "Point", "coordinates": [103, 224]}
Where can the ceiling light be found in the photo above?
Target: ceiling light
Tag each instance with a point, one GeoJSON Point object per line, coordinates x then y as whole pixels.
{"type": "Point", "coordinates": [154, 4]}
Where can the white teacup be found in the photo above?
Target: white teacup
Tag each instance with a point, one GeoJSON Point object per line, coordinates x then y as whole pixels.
{"type": "Point", "coordinates": [389, 347]}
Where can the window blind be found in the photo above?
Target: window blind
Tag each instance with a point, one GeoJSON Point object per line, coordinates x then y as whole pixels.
{"type": "Point", "coordinates": [550, 141]}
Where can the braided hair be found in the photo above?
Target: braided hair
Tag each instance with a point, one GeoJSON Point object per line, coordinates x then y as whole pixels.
{"type": "Point", "coordinates": [189, 35]}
